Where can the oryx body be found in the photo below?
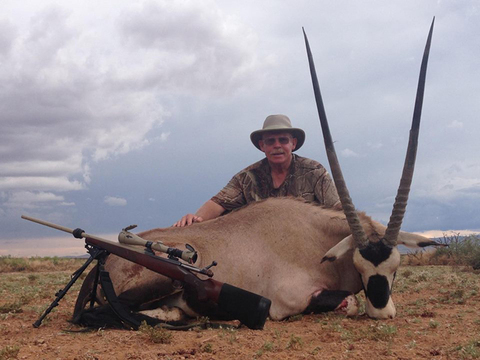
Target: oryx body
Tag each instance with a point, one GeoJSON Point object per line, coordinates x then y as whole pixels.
{"type": "Point", "coordinates": [273, 248]}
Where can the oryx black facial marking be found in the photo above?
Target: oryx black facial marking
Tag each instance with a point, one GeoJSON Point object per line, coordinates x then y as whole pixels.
{"type": "Point", "coordinates": [378, 291]}
{"type": "Point", "coordinates": [376, 252]}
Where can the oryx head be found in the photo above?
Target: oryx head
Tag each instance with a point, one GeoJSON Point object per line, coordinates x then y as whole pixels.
{"type": "Point", "coordinates": [375, 257]}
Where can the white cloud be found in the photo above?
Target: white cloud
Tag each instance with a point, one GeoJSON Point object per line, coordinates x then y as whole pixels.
{"type": "Point", "coordinates": [78, 90]}
{"type": "Point", "coordinates": [349, 153]}
{"type": "Point", "coordinates": [455, 125]}
{"type": "Point", "coordinates": [208, 50]}
{"type": "Point", "coordinates": [164, 136]}
{"type": "Point", "coordinates": [46, 167]}
{"type": "Point", "coordinates": [460, 180]}
{"type": "Point", "coordinates": [41, 183]}
{"type": "Point", "coordinates": [63, 203]}
{"type": "Point", "coordinates": [32, 200]}
{"type": "Point", "coordinates": [115, 201]}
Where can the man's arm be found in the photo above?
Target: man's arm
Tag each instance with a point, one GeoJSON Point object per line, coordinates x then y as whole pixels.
{"type": "Point", "coordinates": [326, 193]}
{"type": "Point", "coordinates": [231, 197]}
{"type": "Point", "coordinates": [209, 210]}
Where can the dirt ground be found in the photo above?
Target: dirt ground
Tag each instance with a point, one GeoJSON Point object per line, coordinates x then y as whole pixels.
{"type": "Point", "coordinates": [438, 317]}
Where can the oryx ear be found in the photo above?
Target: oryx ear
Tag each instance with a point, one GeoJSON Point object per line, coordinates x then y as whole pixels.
{"type": "Point", "coordinates": [414, 240]}
{"type": "Point", "coordinates": [340, 249]}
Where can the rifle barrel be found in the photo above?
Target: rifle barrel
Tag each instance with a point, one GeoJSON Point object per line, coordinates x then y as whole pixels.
{"type": "Point", "coordinates": [62, 228]}
{"type": "Point", "coordinates": [49, 224]}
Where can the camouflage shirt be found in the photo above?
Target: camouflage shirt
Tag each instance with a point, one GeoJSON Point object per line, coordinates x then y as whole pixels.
{"type": "Point", "coordinates": [307, 179]}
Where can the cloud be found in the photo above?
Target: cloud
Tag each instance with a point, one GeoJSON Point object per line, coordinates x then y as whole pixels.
{"type": "Point", "coordinates": [64, 108]}
{"type": "Point", "coordinates": [114, 201]}
{"type": "Point", "coordinates": [190, 46]}
{"type": "Point", "coordinates": [41, 183]}
{"type": "Point", "coordinates": [349, 153]}
{"type": "Point", "coordinates": [164, 136]}
{"type": "Point", "coordinates": [76, 92]}
{"type": "Point", "coordinates": [7, 37]}
{"type": "Point", "coordinates": [33, 200]}
{"type": "Point", "coordinates": [455, 125]}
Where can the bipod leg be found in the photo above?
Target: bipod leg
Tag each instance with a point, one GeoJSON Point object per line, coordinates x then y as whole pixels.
{"type": "Point", "coordinates": [93, 294]}
{"type": "Point", "coordinates": [100, 263]}
{"type": "Point", "coordinates": [94, 254]}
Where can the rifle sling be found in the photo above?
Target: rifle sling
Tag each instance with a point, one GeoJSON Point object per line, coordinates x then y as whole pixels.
{"type": "Point", "coordinates": [118, 308]}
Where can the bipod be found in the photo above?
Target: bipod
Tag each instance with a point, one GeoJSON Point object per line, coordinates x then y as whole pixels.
{"type": "Point", "coordinates": [95, 254]}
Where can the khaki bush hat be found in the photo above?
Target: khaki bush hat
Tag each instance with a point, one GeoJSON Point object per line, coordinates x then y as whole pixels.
{"type": "Point", "coordinates": [278, 123]}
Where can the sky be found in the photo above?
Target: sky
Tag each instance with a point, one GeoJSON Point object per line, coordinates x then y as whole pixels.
{"type": "Point", "coordinates": [136, 112]}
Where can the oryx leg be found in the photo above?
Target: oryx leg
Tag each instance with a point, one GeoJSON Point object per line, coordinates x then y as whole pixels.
{"type": "Point", "coordinates": [333, 300]}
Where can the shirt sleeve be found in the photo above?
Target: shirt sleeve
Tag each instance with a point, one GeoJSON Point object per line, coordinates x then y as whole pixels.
{"type": "Point", "coordinates": [232, 195]}
{"type": "Point", "coordinates": [325, 191]}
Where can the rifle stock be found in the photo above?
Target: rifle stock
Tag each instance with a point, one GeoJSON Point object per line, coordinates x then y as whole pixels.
{"type": "Point", "coordinates": [250, 308]}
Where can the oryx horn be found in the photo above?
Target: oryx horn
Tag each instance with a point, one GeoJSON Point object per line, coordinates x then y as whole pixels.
{"type": "Point", "coordinates": [400, 204]}
{"type": "Point", "coordinates": [347, 204]}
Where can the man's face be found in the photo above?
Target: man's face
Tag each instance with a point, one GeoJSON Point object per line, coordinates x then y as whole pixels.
{"type": "Point", "coordinates": [278, 147]}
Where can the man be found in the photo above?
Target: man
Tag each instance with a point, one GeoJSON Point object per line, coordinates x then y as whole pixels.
{"type": "Point", "coordinates": [280, 173]}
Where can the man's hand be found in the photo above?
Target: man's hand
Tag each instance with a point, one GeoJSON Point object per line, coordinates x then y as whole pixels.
{"type": "Point", "coordinates": [207, 211]}
{"type": "Point", "coordinates": [187, 220]}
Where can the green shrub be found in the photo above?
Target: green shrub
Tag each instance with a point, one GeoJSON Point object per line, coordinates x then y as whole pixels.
{"type": "Point", "coordinates": [157, 335]}
{"type": "Point", "coordinates": [460, 251]}
{"type": "Point", "coordinates": [9, 352]}
{"type": "Point", "coordinates": [295, 343]}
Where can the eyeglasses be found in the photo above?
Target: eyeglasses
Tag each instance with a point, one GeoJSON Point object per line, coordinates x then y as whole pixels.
{"type": "Point", "coordinates": [284, 140]}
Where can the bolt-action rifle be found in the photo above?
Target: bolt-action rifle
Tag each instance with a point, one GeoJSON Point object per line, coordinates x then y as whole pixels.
{"type": "Point", "coordinates": [251, 309]}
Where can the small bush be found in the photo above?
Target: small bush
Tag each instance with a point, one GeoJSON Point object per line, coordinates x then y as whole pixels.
{"type": "Point", "coordinates": [208, 348]}
{"type": "Point", "coordinates": [15, 307]}
{"type": "Point", "coordinates": [157, 335]}
{"type": "Point", "coordinates": [418, 257]}
{"type": "Point", "coordinates": [9, 352]}
{"type": "Point", "coordinates": [380, 332]}
{"type": "Point", "coordinates": [432, 324]}
{"type": "Point", "coordinates": [229, 334]}
{"type": "Point", "coordinates": [460, 251]}
{"type": "Point", "coordinates": [470, 350]}
{"type": "Point", "coordinates": [267, 346]}
{"type": "Point", "coordinates": [295, 343]}
{"type": "Point", "coordinates": [295, 318]}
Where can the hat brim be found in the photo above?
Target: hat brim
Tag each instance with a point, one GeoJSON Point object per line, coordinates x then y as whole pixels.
{"type": "Point", "coordinates": [298, 134]}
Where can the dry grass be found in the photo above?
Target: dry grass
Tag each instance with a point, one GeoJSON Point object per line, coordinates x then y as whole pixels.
{"type": "Point", "coordinates": [438, 317]}
{"type": "Point", "coordinates": [39, 264]}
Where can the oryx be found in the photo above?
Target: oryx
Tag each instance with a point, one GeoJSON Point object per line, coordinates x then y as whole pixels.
{"type": "Point", "coordinates": [303, 257]}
